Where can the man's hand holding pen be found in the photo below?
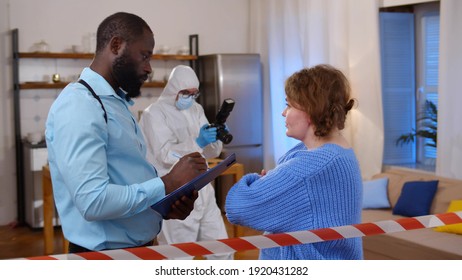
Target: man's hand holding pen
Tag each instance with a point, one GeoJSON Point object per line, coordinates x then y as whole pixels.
{"type": "Point", "coordinates": [186, 169]}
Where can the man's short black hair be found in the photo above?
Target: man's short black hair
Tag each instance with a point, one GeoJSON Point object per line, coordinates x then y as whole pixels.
{"type": "Point", "coordinates": [127, 26]}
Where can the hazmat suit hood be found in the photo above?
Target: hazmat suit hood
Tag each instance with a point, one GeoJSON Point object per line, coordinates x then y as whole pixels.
{"type": "Point", "coordinates": [181, 77]}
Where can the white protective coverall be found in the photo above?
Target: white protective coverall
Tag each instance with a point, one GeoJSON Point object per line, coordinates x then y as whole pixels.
{"type": "Point", "coordinates": [170, 132]}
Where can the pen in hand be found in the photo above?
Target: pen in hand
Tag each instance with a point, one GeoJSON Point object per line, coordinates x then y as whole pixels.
{"type": "Point", "coordinates": [179, 157]}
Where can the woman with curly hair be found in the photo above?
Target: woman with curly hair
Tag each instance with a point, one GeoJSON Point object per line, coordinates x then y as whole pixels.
{"type": "Point", "coordinates": [317, 184]}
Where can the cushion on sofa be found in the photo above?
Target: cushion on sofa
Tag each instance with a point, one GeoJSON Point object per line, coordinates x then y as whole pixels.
{"type": "Point", "coordinates": [420, 243]}
{"type": "Point", "coordinates": [416, 198]}
{"type": "Point", "coordinates": [395, 185]}
{"type": "Point", "coordinates": [375, 194]}
{"type": "Point", "coordinates": [456, 205]}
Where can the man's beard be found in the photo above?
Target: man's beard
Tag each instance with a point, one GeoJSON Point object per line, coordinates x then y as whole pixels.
{"type": "Point", "coordinates": [125, 74]}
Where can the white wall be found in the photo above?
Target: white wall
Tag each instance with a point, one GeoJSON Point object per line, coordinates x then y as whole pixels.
{"type": "Point", "coordinates": [222, 26]}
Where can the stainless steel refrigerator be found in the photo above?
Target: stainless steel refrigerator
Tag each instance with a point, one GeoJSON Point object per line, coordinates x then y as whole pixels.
{"type": "Point", "coordinates": [236, 76]}
{"type": "Point", "coordinates": [239, 77]}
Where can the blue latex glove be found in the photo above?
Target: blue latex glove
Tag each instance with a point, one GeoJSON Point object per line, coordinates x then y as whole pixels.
{"type": "Point", "coordinates": [206, 136]}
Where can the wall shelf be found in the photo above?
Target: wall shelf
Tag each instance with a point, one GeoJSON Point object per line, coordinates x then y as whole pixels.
{"type": "Point", "coordinates": [60, 85]}
{"type": "Point", "coordinates": [90, 56]}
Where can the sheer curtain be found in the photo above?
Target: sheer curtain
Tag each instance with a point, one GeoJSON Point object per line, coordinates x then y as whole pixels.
{"type": "Point", "coordinates": [449, 154]}
{"type": "Point", "coordinates": [294, 34]}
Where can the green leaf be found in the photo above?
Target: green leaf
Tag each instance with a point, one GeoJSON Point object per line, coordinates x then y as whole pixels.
{"type": "Point", "coordinates": [429, 122]}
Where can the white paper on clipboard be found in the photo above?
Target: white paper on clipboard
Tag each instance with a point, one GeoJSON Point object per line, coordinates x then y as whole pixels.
{"type": "Point", "coordinates": [164, 205]}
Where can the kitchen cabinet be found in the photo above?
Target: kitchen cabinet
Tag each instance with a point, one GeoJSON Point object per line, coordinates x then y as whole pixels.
{"type": "Point", "coordinates": [35, 157]}
{"type": "Point", "coordinates": [21, 168]}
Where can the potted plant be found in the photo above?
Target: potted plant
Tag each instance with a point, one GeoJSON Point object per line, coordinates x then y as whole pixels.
{"type": "Point", "coordinates": [429, 121]}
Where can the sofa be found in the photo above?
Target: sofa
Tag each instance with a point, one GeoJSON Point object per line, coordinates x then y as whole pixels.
{"type": "Point", "coordinates": [420, 244]}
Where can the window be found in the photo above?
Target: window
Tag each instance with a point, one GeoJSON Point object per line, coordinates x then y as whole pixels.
{"type": "Point", "coordinates": [409, 56]}
{"type": "Point", "coordinates": [398, 84]}
{"type": "Point", "coordinates": [428, 33]}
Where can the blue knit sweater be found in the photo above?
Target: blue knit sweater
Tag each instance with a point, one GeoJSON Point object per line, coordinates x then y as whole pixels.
{"type": "Point", "coordinates": [308, 189]}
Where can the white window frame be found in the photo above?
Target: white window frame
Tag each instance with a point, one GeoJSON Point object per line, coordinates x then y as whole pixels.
{"type": "Point", "coordinates": [414, 155]}
{"type": "Point", "coordinates": [427, 54]}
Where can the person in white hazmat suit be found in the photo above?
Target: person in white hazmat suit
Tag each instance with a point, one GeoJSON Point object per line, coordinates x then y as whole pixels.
{"type": "Point", "coordinates": [173, 126]}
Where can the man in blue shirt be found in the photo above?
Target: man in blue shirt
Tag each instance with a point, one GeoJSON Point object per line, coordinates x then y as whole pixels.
{"type": "Point", "coordinates": [102, 183]}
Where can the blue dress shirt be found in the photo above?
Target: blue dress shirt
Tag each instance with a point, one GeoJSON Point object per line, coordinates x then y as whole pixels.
{"type": "Point", "coordinates": [102, 183]}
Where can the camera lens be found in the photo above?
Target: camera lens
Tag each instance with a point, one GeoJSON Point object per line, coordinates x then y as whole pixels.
{"type": "Point", "coordinates": [224, 136]}
{"type": "Point", "coordinates": [226, 139]}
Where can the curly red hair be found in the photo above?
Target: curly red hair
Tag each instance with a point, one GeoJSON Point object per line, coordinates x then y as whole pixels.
{"type": "Point", "coordinates": [323, 92]}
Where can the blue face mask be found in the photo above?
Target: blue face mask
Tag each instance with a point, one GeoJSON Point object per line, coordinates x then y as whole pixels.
{"type": "Point", "coordinates": [184, 103]}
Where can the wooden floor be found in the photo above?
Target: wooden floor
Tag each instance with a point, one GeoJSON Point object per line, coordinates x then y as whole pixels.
{"type": "Point", "coordinates": [21, 241]}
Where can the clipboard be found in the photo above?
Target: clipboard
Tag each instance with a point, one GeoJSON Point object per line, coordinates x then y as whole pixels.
{"type": "Point", "coordinates": [164, 205]}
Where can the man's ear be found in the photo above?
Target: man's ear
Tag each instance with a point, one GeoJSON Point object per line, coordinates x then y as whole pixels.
{"type": "Point", "coordinates": [116, 45]}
